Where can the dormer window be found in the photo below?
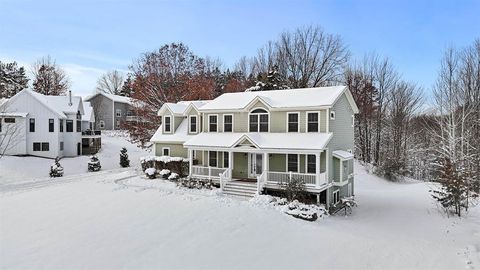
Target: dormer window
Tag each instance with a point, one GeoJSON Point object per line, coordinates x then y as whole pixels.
{"type": "Point", "coordinates": [258, 121]}
{"type": "Point", "coordinates": [193, 124]}
{"type": "Point", "coordinates": [167, 122]}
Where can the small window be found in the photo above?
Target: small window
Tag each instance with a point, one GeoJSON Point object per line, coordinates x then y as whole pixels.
{"type": "Point", "coordinates": [312, 122]}
{"type": "Point", "coordinates": [292, 160]}
{"type": "Point", "coordinates": [60, 123]}
{"type": "Point", "coordinates": [9, 120]}
{"type": "Point", "coordinates": [212, 123]}
{"type": "Point", "coordinates": [212, 158]}
{"type": "Point", "coordinates": [102, 124]}
{"type": "Point", "coordinates": [332, 115]}
{"type": "Point", "coordinates": [45, 146]}
{"type": "Point", "coordinates": [61, 146]}
{"type": "Point", "coordinates": [293, 120]}
{"type": "Point", "coordinates": [227, 123]}
{"type": "Point", "coordinates": [335, 197]}
{"type": "Point", "coordinates": [166, 151]}
{"type": "Point", "coordinates": [311, 164]}
{"type": "Point", "coordinates": [168, 124]}
{"type": "Point", "coordinates": [117, 124]}
{"type": "Point", "coordinates": [193, 124]}
{"type": "Point", "coordinates": [36, 146]}
{"type": "Point", "coordinates": [51, 124]}
{"type": "Point", "coordinates": [118, 113]}
{"type": "Point", "coordinates": [32, 125]}
{"type": "Point", "coordinates": [225, 159]}
{"type": "Point", "coordinates": [69, 125]}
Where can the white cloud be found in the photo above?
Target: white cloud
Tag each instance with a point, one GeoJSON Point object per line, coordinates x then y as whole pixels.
{"type": "Point", "coordinates": [83, 78]}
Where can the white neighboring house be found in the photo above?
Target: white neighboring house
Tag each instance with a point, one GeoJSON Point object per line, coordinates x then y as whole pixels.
{"type": "Point", "coordinates": [45, 126]}
{"type": "Point", "coordinates": [88, 118]}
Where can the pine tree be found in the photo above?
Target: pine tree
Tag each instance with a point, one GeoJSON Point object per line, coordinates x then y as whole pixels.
{"type": "Point", "coordinates": [127, 87]}
{"type": "Point", "coordinates": [94, 164]}
{"type": "Point", "coordinates": [12, 79]}
{"type": "Point", "coordinates": [124, 161]}
{"type": "Point", "coordinates": [56, 170]}
{"type": "Point", "coordinates": [270, 81]}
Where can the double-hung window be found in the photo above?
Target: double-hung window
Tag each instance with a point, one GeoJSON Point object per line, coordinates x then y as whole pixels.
{"type": "Point", "coordinates": [312, 122]}
{"type": "Point", "coordinates": [193, 124]}
{"type": "Point", "coordinates": [292, 162]}
{"type": "Point", "coordinates": [212, 158]}
{"type": "Point", "coordinates": [212, 123]}
{"type": "Point", "coordinates": [32, 125]}
{"type": "Point", "coordinates": [51, 124]}
{"type": "Point", "coordinates": [227, 123]}
{"type": "Point", "coordinates": [258, 119]}
{"type": "Point", "coordinates": [311, 164]}
{"type": "Point", "coordinates": [293, 122]}
{"type": "Point", "coordinates": [69, 125]}
{"type": "Point", "coordinates": [45, 146]}
{"type": "Point", "coordinates": [167, 124]}
{"type": "Point", "coordinates": [225, 159]}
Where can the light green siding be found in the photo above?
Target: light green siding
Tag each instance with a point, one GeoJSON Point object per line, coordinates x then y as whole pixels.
{"type": "Point", "coordinates": [176, 150]}
{"type": "Point", "coordinates": [336, 169]}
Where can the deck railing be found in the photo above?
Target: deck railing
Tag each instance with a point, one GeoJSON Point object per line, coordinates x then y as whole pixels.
{"type": "Point", "coordinates": [207, 172]}
{"type": "Point", "coordinates": [91, 133]}
{"type": "Point", "coordinates": [310, 179]}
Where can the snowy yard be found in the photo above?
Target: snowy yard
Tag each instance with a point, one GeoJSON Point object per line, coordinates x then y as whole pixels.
{"type": "Point", "coordinates": [111, 221]}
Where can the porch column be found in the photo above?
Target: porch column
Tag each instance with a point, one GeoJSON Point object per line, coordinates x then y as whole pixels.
{"type": "Point", "coordinates": [190, 164]}
{"type": "Point", "coordinates": [265, 162]}
{"type": "Point", "coordinates": [327, 167]}
{"type": "Point", "coordinates": [317, 169]}
{"type": "Point", "coordinates": [230, 163]}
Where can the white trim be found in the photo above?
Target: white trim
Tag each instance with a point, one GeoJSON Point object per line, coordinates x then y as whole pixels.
{"type": "Point", "coordinates": [298, 163]}
{"type": "Point", "coordinates": [163, 151]}
{"type": "Point", "coordinates": [353, 120]}
{"type": "Point", "coordinates": [258, 127]}
{"type": "Point", "coordinates": [327, 120]}
{"type": "Point", "coordinates": [316, 164]}
{"type": "Point", "coordinates": [171, 124]}
{"type": "Point", "coordinates": [341, 171]}
{"type": "Point", "coordinates": [118, 113]}
{"type": "Point", "coordinates": [349, 190]}
{"type": "Point", "coordinates": [338, 196]}
{"type": "Point", "coordinates": [255, 100]}
{"type": "Point", "coordinates": [332, 115]}
{"type": "Point", "coordinates": [306, 121]}
{"type": "Point", "coordinates": [223, 122]}
{"type": "Point", "coordinates": [208, 122]}
{"type": "Point", "coordinates": [298, 123]}
{"type": "Point", "coordinates": [190, 124]}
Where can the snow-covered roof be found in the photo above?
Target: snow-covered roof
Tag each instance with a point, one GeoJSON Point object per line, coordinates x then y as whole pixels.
{"type": "Point", "coordinates": [263, 140]}
{"type": "Point", "coordinates": [59, 104]}
{"type": "Point", "coordinates": [13, 114]}
{"type": "Point", "coordinates": [279, 99]}
{"type": "Point", "coordinates": [181, 107]}
{"type": "Point", "coordinates": [88, 112]}
{"type": "Point", "coordinates": [342, 154]}
{"type": "Point", "coordinates": [180, 136]}
{"type": "Point", "coordinates": [115, 98]}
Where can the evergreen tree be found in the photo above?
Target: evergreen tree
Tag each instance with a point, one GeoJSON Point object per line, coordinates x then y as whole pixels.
{"type": "Point", "coordinates": [124, 161]}
{"type": "Point", "coordinates": [56, 170]}
{"type": "Point", "coordinates": [272, 80]}
{"type": "Point", "coordinates": [94, 164]}
{"type": "Point", "coordinates": [12, 79]}
{"type": "Point", "coordinates": [127, 87]}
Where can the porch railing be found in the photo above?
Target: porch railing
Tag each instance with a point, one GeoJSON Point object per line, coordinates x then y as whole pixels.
{"type": "Point", "coordinates": [225, 177]}
{"type": "Point", "coordinates": [310, 179]}
{"type": "Point", "coordinates": [207, 172]}
{"type": "Point", "coordinates": [261, 181]}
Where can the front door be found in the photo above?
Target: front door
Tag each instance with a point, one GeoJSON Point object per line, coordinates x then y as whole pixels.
{"type": "Point", "coordinates": [255, 165]}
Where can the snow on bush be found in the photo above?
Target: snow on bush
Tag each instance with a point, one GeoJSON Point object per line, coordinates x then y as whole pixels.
{"type": "Point", "coordinates": [164, 172]}
{"type": "Point", "coordinates": [151, 173]}
{"type": "Point", "coordinates": [177, 165]}
{"type": "Point", "coordinates": [173, 176]}
{"type": "Point", "coordinates": [195, 183]}
{"type": "Point", "coordinates": [309, 212]}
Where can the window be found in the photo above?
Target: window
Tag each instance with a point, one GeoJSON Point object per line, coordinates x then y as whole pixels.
{"type": "Point", "coordinates": [335, 197]}
{"type": "Point", "coordinates": [130, 113]}
{"type": "Point", "coordinates": [166, 151]}
{"type": "Point", "coordinates": [225, 159]}
{"type": "Point", "coordinates": [353, 120]}
{"type": "Point", "coordinates": [32, 125]}
{"type": "Point", "coordinates": [117, 123]}
{"type": "Point", "coordinates": [292, 163]}
{"type": "Point", "coordinates": [193, 124]}
{"type": "Point", "coordinates": [50, 125]}
{"type": "Point", "coordinates": [312, 122]}
{"type": "Point", "coordinates": [258, 121]}
{"type": "Point", "coordinates": [61, 146]}
{"type": "Point", "coordinates": [332, 115]}
{"type": "Point", "coordinates": [36, 146]}
{"type": "Point", "coordinates": [9, 120]}
{"type": "Point", "coordinates": [212, 158]}
{"type": "Point", "coordinates": [293, 119]}
{"type": "Point", "coordinates": [69, 125]}
{"type": "Point", "coordinates": [168, 124]}
{"type": "Point", "coordinates": [118, 113]}
{"type": "Point", "coordinates": [102, 124]}
{"type": "Point", "coordinates": [228, 123]}
{"type": "Point", "coordinates": [60, 123]}
{"type": "Point", "coordinates": [45, 146]}
{"type": "Point", "coordinates": [212, 123]}
{"type": "Point", "coordinates": [311, 164]}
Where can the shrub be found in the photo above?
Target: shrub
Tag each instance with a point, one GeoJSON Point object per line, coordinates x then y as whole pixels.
{"type": "Point", "coordinates": [165, 173]}
{"type": "Point", "coordinates": [195, 183]}
{"type": "Point", "coordinates": [295, 190]}
{"type": "Point", "coordinates": [177, 165]}
{"type": "Point", "coordinates": [56, 170]}
{"type": "Point", "coordinates": [124, 161]}
{"type": "Point", "coordinates": [173, 176]}
{"type": "Point", "coordinates": [151, 173]}
{"type": "Point", "coordinates": [94, 164]}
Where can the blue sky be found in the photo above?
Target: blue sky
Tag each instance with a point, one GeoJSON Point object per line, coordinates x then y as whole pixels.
{"type": "Point", "coordinates": [90, 37]}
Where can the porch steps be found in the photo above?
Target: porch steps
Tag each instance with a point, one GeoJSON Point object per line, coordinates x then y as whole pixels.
{"type": "Point", "coordinates": [240, 189]}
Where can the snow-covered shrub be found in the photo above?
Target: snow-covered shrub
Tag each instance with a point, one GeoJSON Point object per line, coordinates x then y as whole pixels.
{"type": "Point", "coordinates": [165, 173]}
{"type": "Point", "coordinates": [94, 164]}
{"type": "Point", "coordinates": [124, 161]}
{"type": "Point", "coordinates": [309, 212]}
{"type": "Point", "coordinates": [295, 190]}
{"type": "Point", "coordinates": [195, 183]}
{"type": "Point", "coordinates": [56, 170]}
{"type": "Point", "coordinates": [177, 165]}
{"type": "Point", "coordinates": [173, 176]}
{"type": "Point", "coordinates": [151, 173]}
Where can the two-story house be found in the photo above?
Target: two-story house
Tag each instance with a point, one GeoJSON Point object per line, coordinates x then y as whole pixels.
{"type": "Point", "coordinates": [111, 111]}
{"type": "Point", "coordinates": [251, 141]}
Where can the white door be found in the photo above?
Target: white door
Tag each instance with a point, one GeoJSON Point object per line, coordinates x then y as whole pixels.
{"type": "Point", "coordinates": [255, 165]}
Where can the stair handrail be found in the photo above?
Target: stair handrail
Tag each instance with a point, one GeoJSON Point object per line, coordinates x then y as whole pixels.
{"type": "Point", "coordinates": [261, 181]}
{"type": "Point", "coordinates": [224, 177]}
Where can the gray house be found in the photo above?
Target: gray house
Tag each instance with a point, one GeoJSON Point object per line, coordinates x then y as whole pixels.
{"type": "Point", "coordinates": [111, 111]}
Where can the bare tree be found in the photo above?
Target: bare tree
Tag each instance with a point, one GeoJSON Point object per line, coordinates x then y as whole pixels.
{"type": "Point", "coordinates": [10, 132]}
{"type": "Point", "coordinates": [111, 82]}
{"type": "Point", "coordinates": [50, 79]}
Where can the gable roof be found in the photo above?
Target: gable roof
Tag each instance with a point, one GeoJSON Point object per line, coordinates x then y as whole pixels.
{"type": "Point", "coordinates": [115, 98]}
{"type": "Point", "coordinates": [88, 115]}
{"type": "Point", "coordinates": [182, 107]}
{"type": "Point", "coordinates": [180, 136]}
{"type": "Point", "coordinates": [280, 99]}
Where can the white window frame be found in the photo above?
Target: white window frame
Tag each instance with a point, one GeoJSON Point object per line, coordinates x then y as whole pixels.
{"type": "Point", "coordinates": [258, 126]}
{"type": "Point", "coordinates": [306, 163]}
{"type": "Point", "coordinates": [102, 124]}
{"type": "Point", "coordinates": [208, 122]}
{"type": "Point", "coordinates": [223, 118]}
{"type": "Point", "coordinates": [298, 163]}
{"type": "Point", "coordinates": [306, 121]}
{"type": "Point", "coordinates": [118, 113]}
{"type": "Point", "coordinates": [163, 151]}
{"type": "Point", "coordinates": [337, 192]}
{"type": "Point", "coordinates": [190, 124]}
{"type": "Point", "coordinates": [353, 120]}
{"type": "Point", "coordinates": [332, 115]}
{"type": "Point", "coordinates": [298, 124]}
{"type": "Point", "coordinates": [171, 124]}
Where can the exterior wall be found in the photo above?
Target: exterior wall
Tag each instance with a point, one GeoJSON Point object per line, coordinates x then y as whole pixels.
{"type": "Point", "coordinates": [123, 117]}
{"type": "Point", "coordinates": [71, 139]}
{"type": "Point", "coordinates": [103, 110]}
{"type": "Point", "coordinates": [16, 134]}
{"type": "Point", "coordinates": [176, 150]}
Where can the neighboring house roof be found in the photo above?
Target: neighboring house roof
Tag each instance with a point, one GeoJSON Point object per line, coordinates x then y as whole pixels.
{"type": "Point", "coordinates": [342, 154]}
{"type": "Point", "coordinates": [14, 114]}
{"type": "Point", "coordinates": [263, 140]}
{"type": "Point", "coordinates": [115, 98]}
{"type": "Point", "coordinates": [180, 136]}
{"type": "Point", "coordinates": [281, 99]}
{"type": "Point", "coordinates": [180, 108]}
{"type": "Point", "coordinates": [88, 112]}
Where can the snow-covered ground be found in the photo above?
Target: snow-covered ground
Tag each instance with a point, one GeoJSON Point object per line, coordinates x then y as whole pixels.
{"type": "Point", "coordinates": [115, 221]}
{"type": "Point", "coordinates": [19, 169]}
